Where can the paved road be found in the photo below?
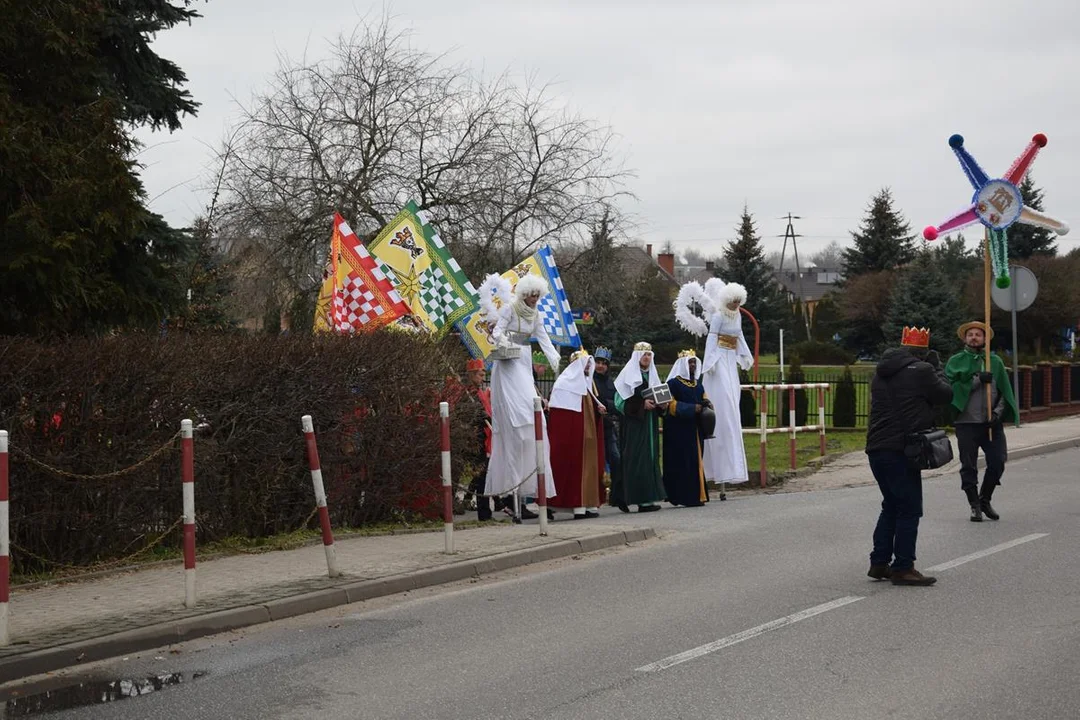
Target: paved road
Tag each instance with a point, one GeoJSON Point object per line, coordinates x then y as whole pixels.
{"type": "Point", "coordinates": [753, 608]}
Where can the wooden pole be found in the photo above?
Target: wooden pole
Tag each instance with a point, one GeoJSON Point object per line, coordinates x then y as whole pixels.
{"type": "Point", "coordinates": [987, 279]}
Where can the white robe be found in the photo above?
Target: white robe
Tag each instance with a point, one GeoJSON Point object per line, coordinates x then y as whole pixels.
{"type": "Point", "coordinates": [513, 436]}
{"type": "Point", "coordinates": [725, 457]}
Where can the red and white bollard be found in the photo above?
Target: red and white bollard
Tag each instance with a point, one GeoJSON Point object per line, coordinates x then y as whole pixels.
{"type": "Point", "coordinates": [5, 548]}
{"type": "Point", "coordinates": [821, 418]}
{"type": "Point", "coordinates": [187, 474]}
{"type": "Point", "coordinates": [763, 405]}
{"type": "Point", "coordinates": [541, 470]}
{"type": "Point", "coordinates": [320, 496]}
{"type": "Point", "coordinates": [447, 486]}
{"type": "Point", "coordinates": [791, 424]}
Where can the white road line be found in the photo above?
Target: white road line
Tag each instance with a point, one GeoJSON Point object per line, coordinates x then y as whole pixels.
{"type": "Point", "coordinates": [746, 635]}
{"type": "Point", "coordinates": [983, 553]}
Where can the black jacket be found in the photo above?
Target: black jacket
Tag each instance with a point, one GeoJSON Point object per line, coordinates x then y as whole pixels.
{"type": "Point", "coordinates": [903, 393]}
{"type": "Point", "coordinates": [605, 388]}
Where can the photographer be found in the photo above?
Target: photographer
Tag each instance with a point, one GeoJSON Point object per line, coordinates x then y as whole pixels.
{"type": "Point", "coordinates": [907, 384]}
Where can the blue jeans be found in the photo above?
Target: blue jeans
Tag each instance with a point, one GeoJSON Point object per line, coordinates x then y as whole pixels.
{"type": "Point", "coordinates": [901, 507]}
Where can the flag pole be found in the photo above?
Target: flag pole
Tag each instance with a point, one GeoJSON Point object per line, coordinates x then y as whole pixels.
{"type": "Point", "coordinates": [987, 279]}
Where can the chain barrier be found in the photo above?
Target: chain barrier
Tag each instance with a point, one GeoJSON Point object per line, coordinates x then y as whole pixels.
{"type": "Point", "coordinates": [107, 565]}
{"type": "Point", "coordinates": [167, 445]}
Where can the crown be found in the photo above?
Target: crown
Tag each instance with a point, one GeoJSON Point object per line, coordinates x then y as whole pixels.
{"type": "Point", "coordinates": [578, 354]}
{"type": "Point", "coordinates": [687, 354]}
{"type": "Point", "coordinates": [916, 337]}
{"type": "Point", "coordinates": [602, 353]}
{"type": "Point", "coordinates": [474, 365]}
{"type": "Point", "coordinates": [643, 347]}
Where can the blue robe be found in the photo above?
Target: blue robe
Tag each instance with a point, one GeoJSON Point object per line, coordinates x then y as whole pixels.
{"type": "Point", "coordinates": [684, 473]}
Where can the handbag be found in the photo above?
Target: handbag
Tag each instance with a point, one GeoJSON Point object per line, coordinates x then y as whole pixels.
{"type": "Point", "coordinates": [925, 449]}
{"type": "Point", "coordinates": [929, 449]}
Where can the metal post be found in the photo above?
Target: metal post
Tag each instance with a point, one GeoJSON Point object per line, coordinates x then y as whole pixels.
{"type": "Point", "coordinates": [821, 417]}
{"type": "Point", "coordinates": [763, 474]}
{"type": "Point", "coordinates": [1015, 350]}
{"type": "Point", "coordinates": [187, 473]}
{"type": "Point", "coordinates": [541, 470]}
{"type": "Point", "coordinates": [320, 496]}
{"type": "Point", "coordinates": [791, 422]}
{"type": "Point", "coordinates": [5, 538]}
{"type": "Point", "coordinates": [781, 355]}
{"type": "Point", "coordinates": [447, 487]}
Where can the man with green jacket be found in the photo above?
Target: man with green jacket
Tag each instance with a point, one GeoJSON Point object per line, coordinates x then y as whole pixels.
{"type": "Point", "coordinates": [975, 427]}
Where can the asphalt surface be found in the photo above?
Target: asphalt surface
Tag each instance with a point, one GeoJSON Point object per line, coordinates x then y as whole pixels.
{"type": "Point", "coordinates": [757, 607]}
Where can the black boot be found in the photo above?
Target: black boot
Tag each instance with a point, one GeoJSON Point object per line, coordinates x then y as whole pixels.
{"type": "Point", "coordinates": [984, 503]}
{"type": "Point", "coordinates": [973, 502]}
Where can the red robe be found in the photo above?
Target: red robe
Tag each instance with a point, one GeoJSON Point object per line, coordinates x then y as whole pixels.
{"type": "Point", "coordinates": [577, 456]}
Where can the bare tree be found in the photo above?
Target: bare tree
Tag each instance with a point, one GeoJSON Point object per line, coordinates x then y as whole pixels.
{"type": "Point", "coordinates": [499, 168]}
{"type": "Point", "coordinates": [830, 256]}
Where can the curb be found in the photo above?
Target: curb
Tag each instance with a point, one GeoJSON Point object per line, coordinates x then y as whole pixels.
{"type": "Point", "coordinates": [36, 662]}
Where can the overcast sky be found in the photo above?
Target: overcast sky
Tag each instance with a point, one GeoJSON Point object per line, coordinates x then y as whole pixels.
{"type": "Point", "coordinates": [807, 106]}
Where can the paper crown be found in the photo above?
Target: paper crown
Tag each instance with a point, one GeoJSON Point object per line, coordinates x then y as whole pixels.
{"type": "Point", "coordinates": [602, 353]}
{"type": "Point", "coordinates": [916, 337]}
{"type": "Point", "coordinates": [474, 365]}
{"type": "Point", "coordinates": [643, 347]}
{"type": "Point", "coordinates": [578, 354]}
{"type": "Point", "coordinates": [687, 354]}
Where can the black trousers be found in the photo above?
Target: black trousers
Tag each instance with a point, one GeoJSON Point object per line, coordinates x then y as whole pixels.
{"type": "Point", "coordinates": [972, 437]}
{"type": "Point", "coordinates": [483, 502]}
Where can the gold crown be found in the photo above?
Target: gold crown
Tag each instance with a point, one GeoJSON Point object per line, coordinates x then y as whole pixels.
{"type": "Point", "coordinates": [643, 347]}
{"type": "Point", "coordinates": [687, 354]}
{"type": "Point", "coordinates": [916, 337]}
{"type": "Point", "coordinates": [578, 354]}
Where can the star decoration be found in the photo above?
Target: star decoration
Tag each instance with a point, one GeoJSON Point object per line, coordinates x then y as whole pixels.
{"type": "Point", "coordinates": [997, 202]}
{"type": "Point", "coordinates": [410, 285]}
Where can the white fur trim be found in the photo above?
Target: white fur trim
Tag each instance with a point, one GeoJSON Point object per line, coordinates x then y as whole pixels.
{"type": "Point", "coordinates": [732, 291]}
{"type": "Point", "coordinates": [494, 286]}
{"type": "Point", "coordinates": [531, 285]}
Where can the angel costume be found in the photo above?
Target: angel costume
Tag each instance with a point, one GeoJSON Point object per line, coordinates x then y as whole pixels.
{"type": "Point", "coordinates": [726, 351]}
{"type": "Point", "coordinates": [513, 439]}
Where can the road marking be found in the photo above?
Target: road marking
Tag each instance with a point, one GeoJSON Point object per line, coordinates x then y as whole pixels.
{"type": "Point", "coordinates": [747, 635]}
{"type": "Point", "coordinates": [983, 553]}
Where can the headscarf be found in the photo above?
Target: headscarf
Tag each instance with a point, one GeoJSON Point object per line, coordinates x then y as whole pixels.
{"type": "Point", "coordinates": [681, 368]}
{"type": "Point", "coordinates": [630, 376]}
{"type": "Point", "coordinates": [573, 382]}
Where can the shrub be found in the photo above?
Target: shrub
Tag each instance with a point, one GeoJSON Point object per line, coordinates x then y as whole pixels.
{"type": "Point", "coordinates": [813, 352]}
{"type": "Point", "coordinates": [92, 406]}
{"type": "Point", "coordinates": [844, 405]}
{"type": "Point", "coordinates": [748, 412]}
{"type": "Point", "coordinates": [795, 376]}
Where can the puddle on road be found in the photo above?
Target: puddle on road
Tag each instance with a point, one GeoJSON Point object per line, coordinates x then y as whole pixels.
{"type": "Point", "coordinates": [92, 692]}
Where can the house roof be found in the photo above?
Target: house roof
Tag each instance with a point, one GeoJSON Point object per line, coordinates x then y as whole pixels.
{"type": "Point", "coordinates": [815, 283]}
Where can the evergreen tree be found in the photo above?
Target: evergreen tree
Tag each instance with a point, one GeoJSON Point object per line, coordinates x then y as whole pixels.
{"type": "Point", "coordinates": [748, 410]}
{"type": "Point", "coordinates": [82, 252]}
{"type": "Point", "coordinates": [844, 402]}
{"type": "Point", "coordinates": [923, 297]}
{"type": "Point", "coordinates": [795, 376]}
{"type": "Point", "coordinates": [883, 242]}
{"type": "Point", "coordinates": [745, 261]}
{"type": "Point", "coordinates": [825, 322]}
{"type": "Point", "coordinates": [209, 284]}
{"type": "Point", "coordinates": [1028, 240]}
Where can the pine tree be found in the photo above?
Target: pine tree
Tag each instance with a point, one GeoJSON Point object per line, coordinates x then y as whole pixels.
{"type": "Point", "coordinates": [1028, 240]}
{"type": "Point", "coordinates": [844, 401]}
{"type": "Point", "coordinates": [82, 252]}
{"type": "Point", "coordinates": [923, 297]}
{"type": "Point", "coordinates": [745, 261]}
{"type": "Point", "coordinates": [884, 240]}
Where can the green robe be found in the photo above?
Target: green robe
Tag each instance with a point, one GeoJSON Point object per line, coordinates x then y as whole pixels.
{"type": "Point", "coordinates": [967, 363]}
{"type": "Point", "coordinates": [639, 442]}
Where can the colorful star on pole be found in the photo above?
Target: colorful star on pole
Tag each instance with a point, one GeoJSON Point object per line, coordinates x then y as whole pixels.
{"type": "Point", "coordinates": [997, 203]}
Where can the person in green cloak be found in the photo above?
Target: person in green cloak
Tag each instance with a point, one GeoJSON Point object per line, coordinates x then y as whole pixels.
{"type": "Point", "coordinates": [639, 441]}
{"type": "Point", "coordinates": [975, 427]}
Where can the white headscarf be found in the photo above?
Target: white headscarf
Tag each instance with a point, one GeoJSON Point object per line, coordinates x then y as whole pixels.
{"type": "Point", "coordinates": [573, 382]}
{"type": "Point", "coordinates": [681, 368]}
{"type": "Point", "coordinates": [630, 376]}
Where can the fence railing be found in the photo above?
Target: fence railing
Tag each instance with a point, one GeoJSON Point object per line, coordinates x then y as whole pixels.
{"type": "Point", "coordinates": [792, 428]}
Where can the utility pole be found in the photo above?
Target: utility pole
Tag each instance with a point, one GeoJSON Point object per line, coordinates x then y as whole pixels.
{"type": "Point", "coordinates": [789, 232]}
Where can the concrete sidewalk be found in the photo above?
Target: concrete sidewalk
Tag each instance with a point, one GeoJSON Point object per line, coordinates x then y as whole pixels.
{"type": "Point", "coordinates": [64, 624]}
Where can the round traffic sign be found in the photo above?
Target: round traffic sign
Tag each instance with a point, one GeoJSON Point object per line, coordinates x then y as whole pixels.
{"type": "Point", "coordinates": [1024, 288]}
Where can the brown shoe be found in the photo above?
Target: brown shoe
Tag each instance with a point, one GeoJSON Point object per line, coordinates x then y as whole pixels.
{"type": "Point", "coordinates": [911, 576]}
{"type": "Point", "coordinates": [879, 572]}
